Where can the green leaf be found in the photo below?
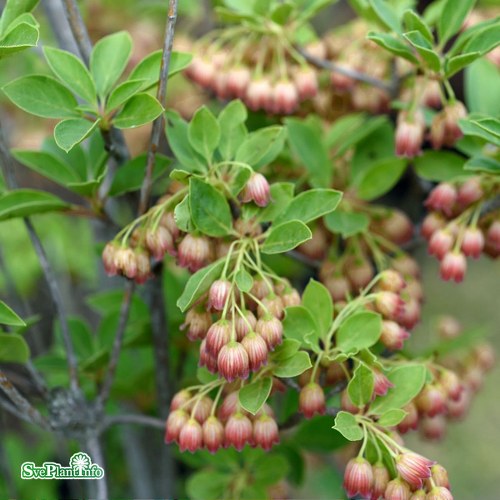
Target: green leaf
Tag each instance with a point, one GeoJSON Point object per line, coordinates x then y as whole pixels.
{"type": "Point", "coordinates": [318, 301]}
{"type": "Point", "coordinates": [285, 237]}
{"type": "Point", "coordinates": [452, 18]}
{"type": "Point", "coordinates": [13, 349]}
{"type": "Point", "coordinates": [413, 22]}
{"type": "Point", "coordinates": [455, 64]}
{"type": "Point", "coordinates": [182, 215]}
{"type": "Point", "coordinates": [232, 127]}
{"type": "Point", "coordinates": [285, 350]}
{"type": "Point", "coordinates": [177, 136]}
{"type": "Point", "coordinates": [293, 366]}
{"type": "Point", "coordinates": [484, 40]}
{"type": "Point", "coordinates": [138, 110]}
{"type": "Point", "coordinates": [209, 208]}
{"type": "Point", "coordinates": [262, 147]}
{"type": "Point", "coordinates": [483, 164]}
{"type": "Point", "coordinates": [393, 45]}
{"type": "Point", "coordinates": [25, 202]}
{"type": "Point", "coordinates": [129, 176]}
{"type": "Point", "coordinates": [204, 376]}
{"type": "Point", "coordinates": [8, 316]}
{"type": "Point", "coordinates": [440, 166]}
{"type": "Point", "coordinates": [425, 49]}
{"type": "Point", "coordinates": [204, 133]}
{"type": "Point", "coordinates": [238, 177]}
{"type": "Point", "coordinates": [42, 96]}
{"type": "Point", "coordinates": [312, 153]}
{"type": "Point", "coordinates": [346, 223]}
{"type": "Point", "coordinates": [386, 15]}
{"type": "Point", "coordinates": [199, 283]}
{"type": "Point", "coordinates": [244, 280]}
{"type": "Point", "coordinates": [123, 93]}
{"type": "Point", "coordinates": [70, 132]}
{"type": "Point", "coordinates": [281, 196]}
{"type": "Point", "coordinates": [149, 68]}
{"type": "Point", "coordinates": [72, 73]}
{"type": "Point", "coordinates": [359, 331]}
{"type": "Point", "coordinates": [20, 37]}
{"type": "Point", "coordinates": [408, 381]}
{"type": "Point", "coordinates": [360, 388]}
{"type": "Point", "coordinates": [299, 324]}
{"type": "Point", "coordinates": [390, 418]}
{"type": "Point", "coordinates": [109, 59]}
{"type": "Point", "coordinates": [316, 435]}
{"type": "Point", "coordinates": [310, 205]}
{"type": "Point", "coordinates": [208, 485]}
{"type": "Point", "coordinates": [269, 470]}
{"type": "Point", "coordinates": [479, 128]}
{"type": "Point", "coordinates": [379, 177]}
{"type": "Point", "coordinates": [252, 396]}
{"type": "Point", "coordinates": [13, 9]}
{"type": "Point", "coordinates": [46, 164]}
{"type": "Point", "coordinates": [347, 425]}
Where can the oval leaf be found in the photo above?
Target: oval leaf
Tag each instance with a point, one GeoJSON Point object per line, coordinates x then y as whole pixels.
{"type": "Point", "coordinates": [24, 202]}
{"type": "Point", "coordinates": [13, 349]}
{"type": "Point", "coordinates": [138, 110]}
{"type": "Point", "coordinates": [359, 331]}
{"type": "Point", "coordinates": [9, 317]}
{"type": "Point", "coordinates": [254, 395]}
{"type": "Point", "coordinates": [286, 236]}
{"type": "Point", "coordinates": [68, 133]}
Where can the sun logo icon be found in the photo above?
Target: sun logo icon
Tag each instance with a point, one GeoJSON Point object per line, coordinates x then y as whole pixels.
{"type": "Point", "coordinates": [80, 462]}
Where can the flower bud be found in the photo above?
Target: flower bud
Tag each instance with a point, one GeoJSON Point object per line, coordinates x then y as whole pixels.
{"type": "Point", "coordinates": [213, 434]}
{"type": "Point", "coordinates": [180, 400]}
{"type": "Point", "coordinates": [484, 354]}
{"type": "Point", "coordinates": [389, 304]}
{"type": "Point", "coordinates": [218, 294]}
{"type": "Point", "coordinates": [193, 252]}
{"type": "Point", "coordinates": [238, 431]}
{"type": "Point", "coordinates": [414, 289]}
{"type": "Point", "coordinates": [431, 96]}
{"type": "Point", "coordinates": [206, 359]}
{"type": "Point", "coordinates": [126, 262]}
{"type": "Point", "coordinates": [291, 298]}
{"type": "Point", "coordinates": [453, 267]}
{"type": "Point", "coordinates": [201, 71]}
{"type": "Point", "coordinates": [391, 281]}
{"type": "Point", "coordinates": [440, 476]}
{"type": "Point", "coordinates": [411, 314]}
{"type": "Point", "coordinates": [229, 406]}
{"type": "Point", "coordinates": [470, 191]}
{"type": "Point", "coordinates": [256, 348]}
{"type": "Point", "coordinates": [439, 493]}
{"type": "Point", "coordinates": [244, 325]}
{"type": "Point", "coordinates": [393, 335]}
{"type": "Point", "coordinates": [168, 222]}
{"type": "Point", "coordinates": [271, 330]}
{"type": "Point", "coordinates": [432, 222]}
{"type": "Point", "coordinates": [191, 436]}
{"type": "Point", "coordinates": [443, 198]}
{"type": "Point", "coordinates": [312, 400]}
{"type": "Point", "coordinates": [409, 134]}
{"type": "Point", "coordinates": [397, 490]}
{"type": "Point", "coordinates": [272, 304]}
{"type": "Point", "coordinates": [175, 422]}
{"type": "Point", "coordinates": [397, 228]}
{"type": "Point", "coordinates": [197, 322]}
{"type": "Point", "coordinates": [406, 265]}
{"type": "Point", "coordinates": [381, 383]}
{"type": "Point", "coordinates": [411, 419]}
{"type": "Point", "coordinates": [257, 190]}
{"type": "Point", "coordinates": [201, 409]}
{"type": "Point", "coordinates": [260, 289]}
{"type": "Point", "coordinates": [259, 94]}
{"type": "Point", "coordinates": [358, 478]}
{"type": "Point", "coordinates": [450, 382]}
{"type": "Point", "coordinates": [109, 258]}
{"type": "Point", "coordinates": [359, 273]}
{"type": "Point", "coordinates": [238, 80]}
{"type": "Point", "coordinates": [143, 266]}
{"type": "Point", "coordinates": [431, 401]}
{"type": "Point", "coordinates": [218, 335]}
{"type": "Point", "coordinates": [473, 242]}
{"type": "Point", "coordinates": [159, 242]}
{"type": "Point", "coordinates": [457, 410]}
{"type": "Point", "coordinates": [338, 286]}
{"type": "Point", "coordinates": [380, 480]}
{"type": "Point", "coordinates": [334, 373]}
{"type": "Point", "coordinates": [445, 130]}
{"type": "Point", "coordinates": [233, 362]}
{"type": "Point", "coordinates": [413, 468]}
{"type": "Point", "coordinates": [306, 82]}
{"type": "Point", "coordinates": [448, 327]}
{"type": "Point", "coordinates": [265, 432]}
{"type": "Point", "coordinates": [285, 98]}
{"type": "Point", "coordinates": [433, 428]}
{"type": "Point", "coordinates": [440, 243]}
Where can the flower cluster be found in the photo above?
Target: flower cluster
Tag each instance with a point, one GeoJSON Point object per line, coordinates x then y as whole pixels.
{"type": "Point", "coordinates": [196, 422]}
{"type": "Point", "coordinates": [456, 227]}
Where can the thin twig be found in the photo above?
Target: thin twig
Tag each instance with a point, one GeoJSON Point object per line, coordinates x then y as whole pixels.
{"type": "Point", "coordinates": [22, 404]}
{"type": "Point", "coordinates": [13, 410]}
{"type": "Point", "coordinates": [60, 26]}
{"type": "Point", "coordinates": [55, 293]}
{"type": "Point", "coordinates": [351, 73]}
{"type": "Point", "coordinates": [94, 449]}
{"type": "Point", "coordinates": [146, 420]}
{"type": "Point", "coordinates": [117, 343]}
{"type": "Point", "coordinates": [161, 96]}
{"type": "Point", "coordinates": [78, 28]}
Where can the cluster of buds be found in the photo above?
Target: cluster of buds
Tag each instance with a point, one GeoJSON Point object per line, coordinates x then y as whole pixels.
{"type": "Point", "coordinates": [237, 339]}
{"type": "Point", "coordinates": [455, 227]}
{"type": "Point", "coordinates": [264, 80]}
{"type": "Point", "coordinates": [417, 478]}
{"type": "Point", "coordinates": [195, 422]}
{"type": "Point", "coordinates": [457, 378]}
